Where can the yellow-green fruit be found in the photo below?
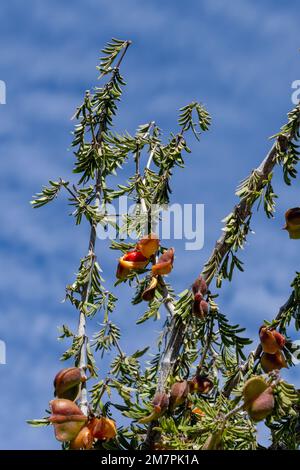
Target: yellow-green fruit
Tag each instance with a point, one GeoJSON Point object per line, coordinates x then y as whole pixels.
{"type": "Point", "coordinates": [253, 388]}
{"type": "Point", "coordinates": [258, 398]}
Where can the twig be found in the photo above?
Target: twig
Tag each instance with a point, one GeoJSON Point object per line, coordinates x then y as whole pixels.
{"type": "Point", "coordinates": [177, 328]}
{"type": "Point", "coordinates": [234, 411]}
{"type": "Point", "coordinates": [214, 439]}
{"type": "Point", "coordinates": [83, 399]}
{"type": "Point", "coordinates": [244, 208]}
{"type": "Point", "coordinates": [148, 165]}
{"type": "Point", "coordinates": [168, 303]}
{"type": "Point", "coordinates": [207, 344]}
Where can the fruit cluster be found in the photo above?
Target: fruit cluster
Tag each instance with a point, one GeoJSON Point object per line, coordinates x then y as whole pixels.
{"type": "Point", "coordinates": [272, 343]}
{"type": "Point", "coordinates": [70, 424]}
{"type": "Point", "coordinates": [163, 402]}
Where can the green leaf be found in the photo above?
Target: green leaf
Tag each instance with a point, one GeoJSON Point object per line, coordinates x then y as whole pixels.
{"type": "Point", "coordinates": [140, 353]}
{"type": "Point", "coordinates": [38, 422]}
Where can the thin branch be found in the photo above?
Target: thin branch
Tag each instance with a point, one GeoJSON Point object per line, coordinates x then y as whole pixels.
{"type": "Point", "coordinates": [83, 399]}
{"type": "Point", "coordinates": [207, 344]}
{"type": "Point", "coordinates": [148, 165]}
{"type": "Point", "coordinates": [243, 210]}
{"type": "Point", "coordinates": [167, 301]}
{"type": "Point", "coordinates": [214, 439]}
{"type": "Point", "coordinates": [66, 186]}
{"type": "Point", "coordinates": [177, 328]}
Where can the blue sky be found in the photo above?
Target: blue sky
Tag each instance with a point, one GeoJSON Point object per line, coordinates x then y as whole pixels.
{"type": "Point", "coordinates": [238, 58]}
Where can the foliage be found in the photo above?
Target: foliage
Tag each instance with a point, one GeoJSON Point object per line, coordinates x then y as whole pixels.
{"type": "Point", "coordinates": [189, 346]}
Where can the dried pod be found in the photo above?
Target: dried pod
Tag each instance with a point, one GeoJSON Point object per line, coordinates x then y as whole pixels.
{"type": "Point", "coordinates": [271, 362]}
{"type": "Point", "coordinates": [103, 428]}
{"type": "Point", "coordinates": [200, 307]}
{"type": "Point", "coordinates": [149, 245]}
{"type": "Point", "coordinates": [258, 398]}
{"type": "Point", "coordinates": [178, 394]}
{"type": "Point", "coordinates": [84, 440]}
{"type": "Point", "coordinates": [164, 264]}
{"type": "Point", "coordinates": [160, 404]}
{"type": "Point", "coordinates": [201, 384]}
{"type": "Point", "coordinates": [67, 383]}
{"type": "Point", "coordinates": [198, 297]}
{"type": "Point", "coordinates": [199, 286]}
{"type": "Point", "coordinates": [292, 218]}
{"type": "Point", "coordinates": [131, 261]}
{"type": "Point", "coordinates": [271, 340]}
{"type": "Point", "coordinates": [67, 419]}
{"type": "Point", "coordinates": [149, 292]}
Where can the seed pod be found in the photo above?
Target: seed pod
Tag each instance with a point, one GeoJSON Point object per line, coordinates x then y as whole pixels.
{"type": "Point", "coordinates": [149, 292]}
{"type": "Point", "coordinates": [131, 261]}
{"type": "Point", "coordinates": [262, 406]}
{"type": "Point", "coordinates": [149, 245]}
{"type": "Point", "coordinates": [164, 264]}
{"type": "Point", "coordinates": [200, 308]}
{"type": "Point", "coordinates": [271, 362]}
{"type": "Point", "coordinates": [201, 384]}
{"type": "Point", "coordinates": [83, 440]}
{"type": "Point", "coordinates": [178, 394]}
{"type": "Point", "coordinates": [253, 388]}
{"type": "Point", "coordinates": [198, 297]}
{"type": "Point", "coordinates": [67, 383]}
{"type": "Point", "coordinates": [271, 340]}
{"type": "Point", "coordinates": [67, 419]}
{"type": "Point", "coordinates": [292, 218]}
{"type": "Point", "coordinates": [160, 404]}
{"type": "Point", "coordinates": [103, 428]}
{"type": "Point", "coordinates": [199, 286]}
{"type": "Point", "coordinates": [258, 398]}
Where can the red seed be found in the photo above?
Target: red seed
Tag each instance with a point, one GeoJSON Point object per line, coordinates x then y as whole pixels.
{"type": "Point", "coordinates": [134, 256]}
